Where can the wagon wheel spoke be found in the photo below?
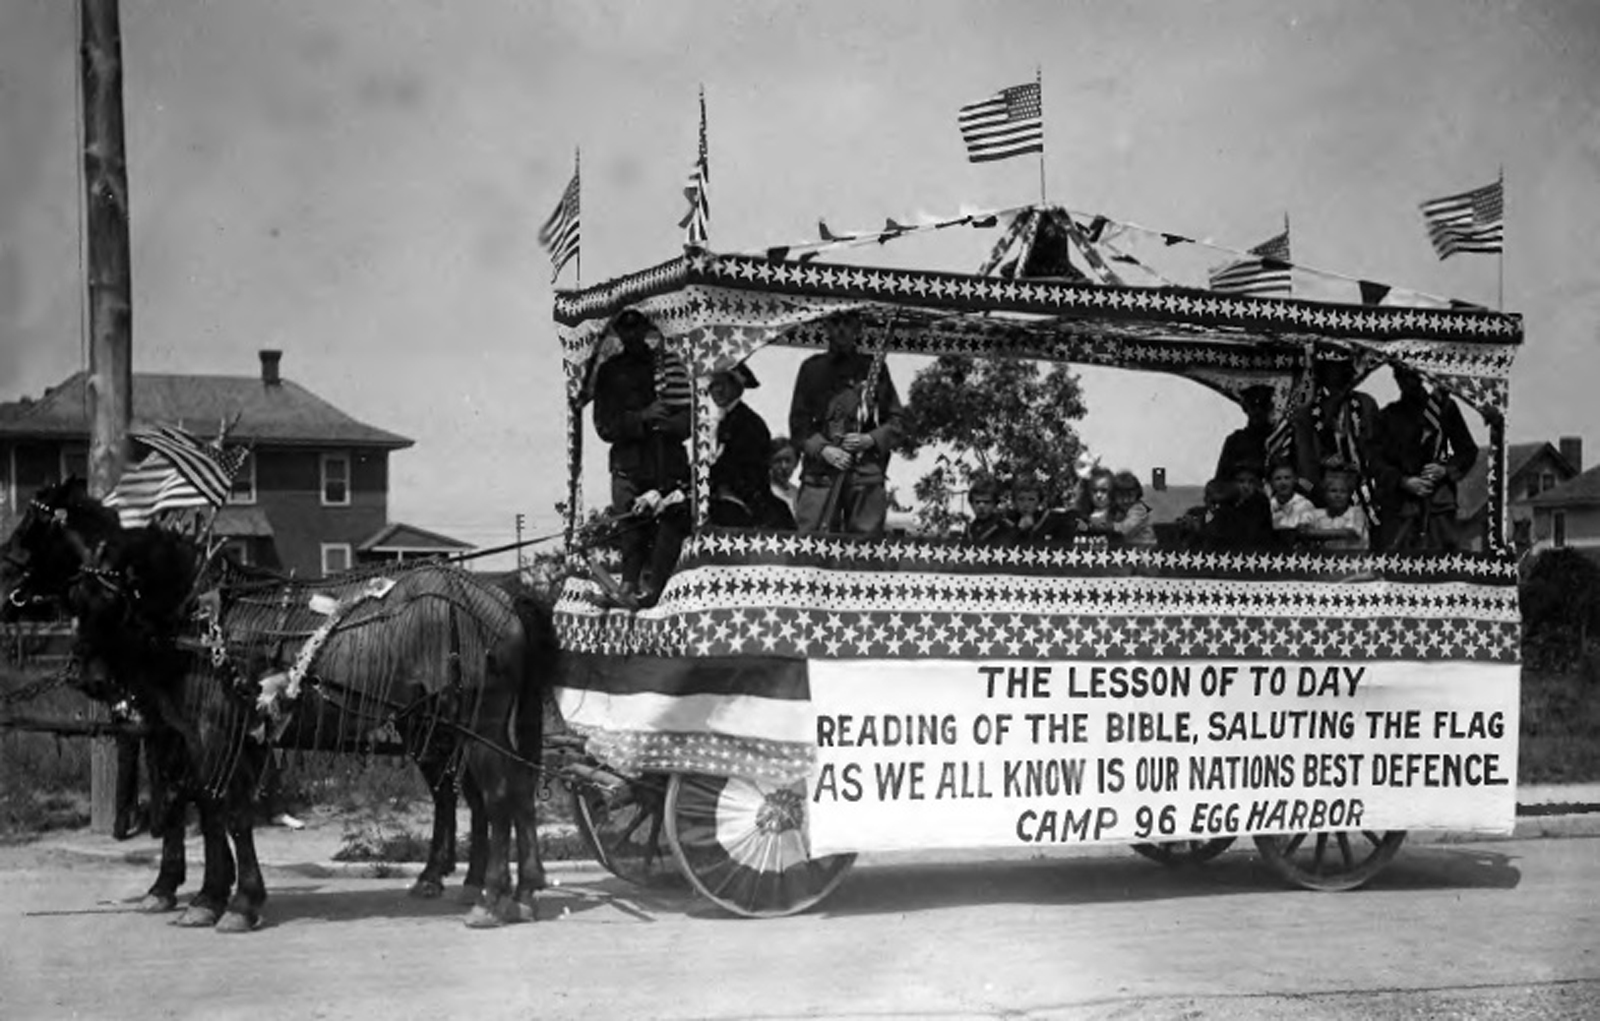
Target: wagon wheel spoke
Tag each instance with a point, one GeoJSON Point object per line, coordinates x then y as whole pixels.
{"type": "Point", "coordinates": [1333, 860]}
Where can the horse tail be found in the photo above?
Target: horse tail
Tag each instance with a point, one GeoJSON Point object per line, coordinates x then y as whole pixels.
{"type": "Point", "coordinates": [539, 657]}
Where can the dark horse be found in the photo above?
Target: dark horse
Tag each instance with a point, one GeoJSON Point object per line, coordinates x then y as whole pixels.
{"type": "Point", "coordinates": [450, 664]}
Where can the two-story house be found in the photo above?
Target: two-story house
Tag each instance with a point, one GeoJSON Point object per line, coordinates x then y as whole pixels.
{"type": "Point", "coordinates": [1531, 469]}
{"type": "Point", "coordinates": [313, 497]}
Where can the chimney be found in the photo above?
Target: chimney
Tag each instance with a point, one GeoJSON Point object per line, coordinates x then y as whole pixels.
{"type": "Point", "coordinates": [1572, 449]}
{"type": "Point", "coordinates": [1158, 479]}
{"type": "Point", "coordinates": [269, 367]}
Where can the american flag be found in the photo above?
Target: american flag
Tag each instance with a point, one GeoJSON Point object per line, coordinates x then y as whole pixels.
{"type": "Point", "coordinates": [559, 235]}
{"type": "Point", "coordinates": [697, 221]}
{"type": "Point", "coordinates": [1473, 221]}
{"type": "Point", "coordinates": [180, 473]}
{"type": "Point", "coordinates": [1268, 273]}
{"type": "Point", "coordinates": [1009, 123]}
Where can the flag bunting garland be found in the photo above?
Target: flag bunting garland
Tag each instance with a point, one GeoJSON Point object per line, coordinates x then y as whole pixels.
{"type": "Point", "coordinates": [1006, 124]}
{"type": "Point", "coordinates": [697, 221]}
{"type": "Point", "coordinates": [1104, 232]}
{"type": "Point", "coordinates": [559, 234]}
{"type": "Point", "coordinates": [1473, 221]}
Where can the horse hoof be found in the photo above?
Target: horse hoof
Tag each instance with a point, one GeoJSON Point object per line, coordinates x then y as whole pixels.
{"type": "Point", "coordinates": [237, 921]}
{"type": "Point", "coordinates": [471, 894]}
{"type": "Point", "coordinates": [524, 912]}
{"type": "Point", "coordinates": [156, 904]}
{"type": "Point", "coordinates": [194, 917]}
{"type": "Point", "coordinates": [426, 889]}
{"type": "Point", "coordinates": [481, 917]}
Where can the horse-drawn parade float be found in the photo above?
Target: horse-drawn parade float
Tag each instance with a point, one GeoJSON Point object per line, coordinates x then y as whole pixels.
{"type": "Point", "coordinates": [790, 698]}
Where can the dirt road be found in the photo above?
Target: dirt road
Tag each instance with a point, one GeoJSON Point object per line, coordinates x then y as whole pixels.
{"type": "Point", "coordinates": [1506, 929]}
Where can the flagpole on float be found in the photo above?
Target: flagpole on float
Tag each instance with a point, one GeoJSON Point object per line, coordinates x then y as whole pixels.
{"type": "Point", "coordinates": [1038, 80]}
{"type": "Point", "coordinates": [1500, 297]}
{"type": "Point", "coordinates": [577, 165]}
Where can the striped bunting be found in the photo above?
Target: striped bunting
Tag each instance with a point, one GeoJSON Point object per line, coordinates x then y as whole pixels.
{"type": "Point", "coordinates": [1473, 221]}
{"type": "Point", "coordinates": [1268, 273]}
{"type": "Point", "coordinates": [559, 235]}
{"type": "Point", "coordinates": [1009, 123]}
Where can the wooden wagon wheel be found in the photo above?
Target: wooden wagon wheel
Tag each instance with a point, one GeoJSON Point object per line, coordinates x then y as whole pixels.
{"type": "Point", "coordinates": [624, 828]}
{"type": "Point", "coordinates": [1330, 860]}
{"type": "Point", "coordinates": [1184, 852]}
{"type": "Point", "coordinates": [743, 844]}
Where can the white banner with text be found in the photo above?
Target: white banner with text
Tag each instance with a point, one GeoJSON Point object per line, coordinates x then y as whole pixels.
{"type": "Point", "coordinates": [969, 753]}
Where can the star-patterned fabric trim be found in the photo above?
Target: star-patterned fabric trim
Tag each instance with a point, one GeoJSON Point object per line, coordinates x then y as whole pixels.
{"type": "Point", "coordinates": [634, 752]}
{"type": "Point", "coordinates": [720, 309]}
{"type": "Point", "coordinates": [813, 612]}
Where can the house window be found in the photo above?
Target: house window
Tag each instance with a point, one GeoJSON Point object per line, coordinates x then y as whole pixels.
{"type": "Point", "coordinates": [1547, 480]}
{"type": "Point", "coordinates": [75, 461]}
{"type": "Point", "coordinates": [244, 482]}
{"type": "Point", "coordinates": [336, 480]}
{"type": "Point", "coordinates": [1558, 528]}
{"type": "Point", "coordinates": [335, 557]}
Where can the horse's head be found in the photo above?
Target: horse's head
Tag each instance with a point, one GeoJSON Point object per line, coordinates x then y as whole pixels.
{"type": "Point", "coordinates": [55, 539]}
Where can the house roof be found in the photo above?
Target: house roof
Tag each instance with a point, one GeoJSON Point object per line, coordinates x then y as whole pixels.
{"type": "Point", "coordinates": [1575, 492]}
{"type": "Point", "coordinates": [234, 522]}
{"type": "Point", "coordinates": [1472, 493]}
{"type": "Point", "coordinates": [399, 537]}
{"type": "Point", "coordinates": [283, 413]}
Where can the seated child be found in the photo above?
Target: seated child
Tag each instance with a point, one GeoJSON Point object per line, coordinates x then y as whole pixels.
{"type": "Point", "coordinates": [988, 526]}
{"type": "Point", "coordinates": [1340, 524]}
{"type": "Point", "coordinates": [1289, 507]}
{"type": "Point", "coordinates": [1130, 515]}
{"type": "Point", "coordinates": [1251, 511]}
{"type": "Point", "coordinates": [1032, 521]}
{"type": "Point", "coordinates": [1094, 503]}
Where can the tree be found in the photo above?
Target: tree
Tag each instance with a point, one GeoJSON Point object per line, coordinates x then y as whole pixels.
{"type": "Point", "coordinates": [998, 416]}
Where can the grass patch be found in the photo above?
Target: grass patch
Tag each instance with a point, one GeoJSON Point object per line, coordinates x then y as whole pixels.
{"type": "Point", "coordinates": [1560, 728]}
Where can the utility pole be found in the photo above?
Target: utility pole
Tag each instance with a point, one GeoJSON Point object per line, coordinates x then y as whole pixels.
{"type": "Point", "coordinates": [110, 302]}
{"type": "Point", "coordinates": [522, 562]}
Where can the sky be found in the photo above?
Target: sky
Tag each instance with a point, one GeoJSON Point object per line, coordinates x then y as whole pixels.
{"type": "Point", "coordinates": [360, 184]}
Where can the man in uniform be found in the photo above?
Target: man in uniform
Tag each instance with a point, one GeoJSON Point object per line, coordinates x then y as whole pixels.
{"type": "Point", "coordinates": [649, 468]}
{"type": "Point", "coordinates": [844, 435]}
{"type": "Point", "coordinates": [1422, 449]}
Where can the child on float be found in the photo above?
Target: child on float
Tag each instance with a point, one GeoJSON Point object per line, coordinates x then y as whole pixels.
{"type": "Point", "coordinates": [1290, 507]}
{"type": "Point", "coordinates": [1130, 515]}
{"type": "Point", "coordinates": [1034, 522]}
{"type": "Point", "coordinates": [988, 526]}
{"type": "Point", "coordinates": [1339, 524]}
{"type": "Point", "coordinates": [1094, 502]}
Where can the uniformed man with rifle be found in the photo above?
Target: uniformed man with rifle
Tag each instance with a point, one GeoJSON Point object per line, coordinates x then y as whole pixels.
{"type": "Point", "coordinates": [845, 416]}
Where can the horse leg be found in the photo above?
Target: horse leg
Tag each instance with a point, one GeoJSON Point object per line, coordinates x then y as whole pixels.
{"type": "Point", "coordinates": [167, 821]}
{"type": "Point", "coordinates": [478, 840]}
{"type": "Point", "coordinates": [440, 778]}
{"type": "Point", "coordinates": [244, 910]}
{"type": "Point", "coordinates": [207, 905]}
{"type": "Point", "coordinates": [494, 907]}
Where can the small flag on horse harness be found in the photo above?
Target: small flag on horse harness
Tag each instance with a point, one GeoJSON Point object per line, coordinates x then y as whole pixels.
{"type": "Point", "coordinates": [181, 473]}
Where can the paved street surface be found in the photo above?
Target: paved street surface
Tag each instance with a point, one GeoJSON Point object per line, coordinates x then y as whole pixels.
{"type": "Point", "coordinates": [1507, 929]}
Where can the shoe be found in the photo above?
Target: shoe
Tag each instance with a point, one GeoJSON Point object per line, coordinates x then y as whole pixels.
{"type": "Point", "coordinates": [287, 821]}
